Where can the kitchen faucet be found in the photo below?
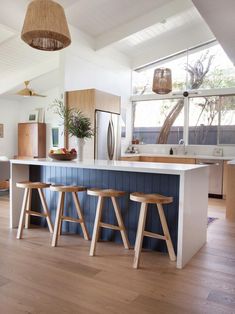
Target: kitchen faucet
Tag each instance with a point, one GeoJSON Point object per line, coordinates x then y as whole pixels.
{"type": "Point", "coordinates": [182, 143]}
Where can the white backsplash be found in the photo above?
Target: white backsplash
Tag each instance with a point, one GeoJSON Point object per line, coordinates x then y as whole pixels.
{"type": "Point", "coordinates": [207, 150]}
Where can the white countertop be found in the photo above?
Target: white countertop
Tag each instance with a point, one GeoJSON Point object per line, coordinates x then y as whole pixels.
{"type": "Point", "coordinates": [180, 156]}
{"type": "Point", "coordinates": [145, 167]}
{"type": "Point", "coordinates": [231, 162]}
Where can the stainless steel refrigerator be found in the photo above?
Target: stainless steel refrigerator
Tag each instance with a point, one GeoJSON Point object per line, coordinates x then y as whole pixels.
{"type": "Point", "coordinates": [107, 136]}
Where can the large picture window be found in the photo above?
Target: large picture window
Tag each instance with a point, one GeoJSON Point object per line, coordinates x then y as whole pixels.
{"type": "Point", "coordinates": [149, 118]}
{"type": "Point", "coordinates": [212, 120]}
{"type": "Point", "coordinates": [203, 120]}
{"type": "Point", "coordinates": [207, 116]}
{"type": "Point", "coordinates": [227, 120]}
{"type": "Point", "coordinates": [209, 120]}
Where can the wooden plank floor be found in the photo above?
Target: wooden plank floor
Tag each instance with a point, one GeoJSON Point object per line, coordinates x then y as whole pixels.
{"type": "Point", "coordinates": [36, 278]}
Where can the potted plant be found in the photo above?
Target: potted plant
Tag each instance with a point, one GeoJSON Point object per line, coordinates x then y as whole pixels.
{"type": "Point", "coordinates": [75, 124]}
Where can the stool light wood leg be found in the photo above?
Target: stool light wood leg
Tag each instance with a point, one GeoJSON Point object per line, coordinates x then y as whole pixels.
{"type": "Point", "coordinates": [80, 215]}
{"type": "Point", "coordinates": [166, 232]}
{"type": "Point", "coordinates": [120, 223]}
{"type": "Point", "coordinates": [57, 219]}
{"type": "Point", "coordinates": [96, 228]}
{"type": "Point", "coordinates": [22, 214]}
{"type": "Point", "coordinates": [27, 216]}
{"type": "Point", "coordinates": [140, 234]}
{"type": "Point", "coordinates": [61, 220]}
{"type": "Point", "coordinates": [46, 210]}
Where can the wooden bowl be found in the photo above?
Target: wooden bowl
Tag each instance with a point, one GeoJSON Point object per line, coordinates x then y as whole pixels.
{"type": "Point", "coordinates": [63, 156]}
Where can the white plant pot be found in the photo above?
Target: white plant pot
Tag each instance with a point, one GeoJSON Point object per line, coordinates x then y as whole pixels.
{"type": "Point", "coordinates": [80, 148]}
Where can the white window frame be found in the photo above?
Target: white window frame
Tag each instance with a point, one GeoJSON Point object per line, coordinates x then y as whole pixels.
{"type": "Point", "coordinates": [179, 95]}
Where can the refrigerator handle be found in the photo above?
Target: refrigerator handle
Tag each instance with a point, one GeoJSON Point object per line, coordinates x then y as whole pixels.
{"type": "Point", "coordinates": [110, 140]}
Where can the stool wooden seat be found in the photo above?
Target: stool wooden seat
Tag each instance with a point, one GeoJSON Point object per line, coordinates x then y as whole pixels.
{"type": "Point", "coordinates": [26, 210]}
{"type": "Point", "coordinates": [102, 194]}
{"type": "Point", "coordinates": [62, 189]}
{"type": "Point", "coordinates": [105, 192]}
{"type": "Point", "coordinates": [146, 199]}
{"type": "Point", "coordinates": [67, 188]}
{"type": "Point", "coordinates": [32, 185]}
{"type": "Point", "coordinates": [151, 198]}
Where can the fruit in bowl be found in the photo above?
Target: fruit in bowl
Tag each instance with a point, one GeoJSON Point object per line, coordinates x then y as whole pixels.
{"type": "Point", "coordinates": [63, 154]}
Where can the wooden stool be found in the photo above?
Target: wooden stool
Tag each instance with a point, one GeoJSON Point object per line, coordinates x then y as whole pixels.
{"type": "Point", "coordinates": [101, 196]}
{"type": "Point", "coordinates": [62, 189]}
{"type": "Point", "coordinates": [146, 199]}
{"type": "Point", "coordinates": [26, 211]}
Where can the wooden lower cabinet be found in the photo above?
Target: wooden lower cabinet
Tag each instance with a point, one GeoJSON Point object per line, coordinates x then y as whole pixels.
{"type": "Point", "coordinates": [134, 158]}
{"type": "Point", "coordinates": [32, 140]}
{"type": "Point", "coordinates": [175, 160]}
{"type": "Point", "coordinates": [230, 195]}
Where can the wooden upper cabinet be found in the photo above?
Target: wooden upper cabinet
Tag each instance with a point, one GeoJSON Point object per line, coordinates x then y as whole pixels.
{"type": "Point", "coordinates": [88, 101]}
{"type": "Point", "coordinates": [32, 140]}
{"type": "Point", "coordinates": [107, 102]}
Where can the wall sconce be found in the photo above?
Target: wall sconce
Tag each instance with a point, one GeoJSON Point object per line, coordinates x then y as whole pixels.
{"type": "Point", "coordinates": [162, 82]}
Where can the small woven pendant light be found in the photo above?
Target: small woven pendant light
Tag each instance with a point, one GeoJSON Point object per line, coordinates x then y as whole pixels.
{"type": "Point", "coordinates": [45, 26]}
{"type": "Point", "coordinates": [162, 82]}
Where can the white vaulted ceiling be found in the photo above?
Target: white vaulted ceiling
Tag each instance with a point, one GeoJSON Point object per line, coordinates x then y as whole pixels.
{"type": "Point", "coordinates": [96, 17]}
{"type": "Point", "coordinates": [19, 62]}
{"type": "Point", "coordinates": [185, 18]}
{"type": "Point", "coordinates": [219, 15]}
{"type": "Point", "coordinates": [142, 30]}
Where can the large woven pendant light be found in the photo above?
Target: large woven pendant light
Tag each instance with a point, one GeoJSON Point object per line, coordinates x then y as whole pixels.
{"type": "Point", "coordinates": [162, 82]}
{"type": "Point", "coordinates": [45, 26]}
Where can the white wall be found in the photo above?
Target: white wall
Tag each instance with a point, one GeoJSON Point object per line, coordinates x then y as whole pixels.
{"type": "Point", "coordinates": [81, 67]}
{"type": "Point", "coordinates": [9, 117]}
{"type": "Point", "coordinates": [106, 70]}
{"type": "Point", "coordinates": [28, 105]}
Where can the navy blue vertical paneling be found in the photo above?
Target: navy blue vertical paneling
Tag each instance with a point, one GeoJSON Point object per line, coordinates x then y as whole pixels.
{"type": "Point", "coordinates": [54, 196]}
{"type": "Point", "coordinates": [126, 210]}
{"type": "Point", "coordinates": [89, 213]}
{"type": "Point", "coordinates": [78, 178]}
{"type": "Point", "coordinates": [35, 172]}
{"type": "Point", "coordinates": [121, 201]}
{"type": "Point", "coordinates": [127, 181]}
{"type": "Point", "coordinates": [172, 213]}
{"type": "Point", "coordinates": [155, 221]}
{"type": "Point", "coordinates": [108, 210]}
{"type": "Point", "coordinates": [148, 183]}
{"type": "Point", "coordinates": [71, 211]}
{"type": "Point", "coordinates": [47, 193]}
{"type": "Point", "coordinates": [68, 208]}
{"type": "Point", "coordinates": [133, 208]}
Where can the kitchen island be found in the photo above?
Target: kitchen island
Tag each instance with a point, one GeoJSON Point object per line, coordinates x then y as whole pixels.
{"type": "Point", "coordinates": [187, 184]}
